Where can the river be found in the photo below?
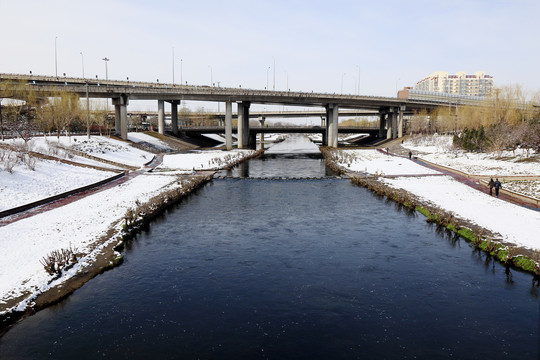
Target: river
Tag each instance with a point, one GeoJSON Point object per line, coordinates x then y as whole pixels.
{"type": "Point", "coordinates": [283, 268]}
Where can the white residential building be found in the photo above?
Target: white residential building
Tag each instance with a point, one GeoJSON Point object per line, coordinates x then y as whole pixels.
{"type": "Point", "coordinates": [478, 84]}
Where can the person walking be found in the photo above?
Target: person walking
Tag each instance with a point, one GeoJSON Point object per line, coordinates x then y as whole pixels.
{"type": "Point", "coordinates": [491, 184]}
{"type": "Point", "coordinates": [410, 154]}
{"type": "Point", "coordinates": [497, 186]}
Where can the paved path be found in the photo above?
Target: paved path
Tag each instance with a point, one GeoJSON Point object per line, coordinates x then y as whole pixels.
{"type": "Point", "coordinates": [395, 149]}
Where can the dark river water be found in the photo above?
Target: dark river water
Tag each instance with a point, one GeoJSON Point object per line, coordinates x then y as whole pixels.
{"type": "Point", "coordinates": [290, 269]}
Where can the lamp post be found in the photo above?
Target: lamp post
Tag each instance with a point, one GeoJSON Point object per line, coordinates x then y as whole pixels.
{"type": "Point", "coordinates": [267, 77]}
{"type": "Point", "coordinates": [55, 58]}
{"type": "Point", "coordinates": [106, 70]}
{"type": "Point", "coordinates": [342, 75]}
{"type": "Point", "coordinates": [210, 75]}
{"type": "Point", "coordinates": [82, 60]}
{"type": "Point", "coordinates": [173, 65]}
{"type": "Point", "coordinates": [181, 82]}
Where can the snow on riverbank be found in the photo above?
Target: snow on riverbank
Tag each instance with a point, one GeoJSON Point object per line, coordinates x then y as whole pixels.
{"type": "Point", "coordinates": [138, 138]}
{"type": "Point", "coordinates": [202, 160]}
{"type": "Point", "coordinates": [439, 150]}
{"type": "Point", "coordinates": [49, 178]}
{"type": "Point", "coordinates": [81, 224]}
{"type": "Point", "coordinates": [515, 224]}
{"type": "Point", "coordinates": [376, 162]}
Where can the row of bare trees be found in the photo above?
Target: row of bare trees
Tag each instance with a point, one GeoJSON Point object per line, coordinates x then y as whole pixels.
{"type": "Point", "coordinates": [504, 121]}
{"type": "Point", "coordinates": [24, 113]}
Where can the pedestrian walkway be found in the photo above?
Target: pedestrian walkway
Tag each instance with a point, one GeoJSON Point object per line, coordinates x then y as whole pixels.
{"type": "Point", "coordinates": [395, 149]}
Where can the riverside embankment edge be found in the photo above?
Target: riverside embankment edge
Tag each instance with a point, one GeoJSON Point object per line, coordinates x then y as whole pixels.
{"type": "Point", "coordinates": [107, 255]}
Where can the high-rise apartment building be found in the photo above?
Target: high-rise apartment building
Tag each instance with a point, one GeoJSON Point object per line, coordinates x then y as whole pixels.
{"type": "Point", "coordinates": [478, 84]}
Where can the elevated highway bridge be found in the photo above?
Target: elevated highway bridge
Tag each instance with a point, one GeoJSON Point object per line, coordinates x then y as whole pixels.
{"type": "Point", "coordinates": [389, 110]}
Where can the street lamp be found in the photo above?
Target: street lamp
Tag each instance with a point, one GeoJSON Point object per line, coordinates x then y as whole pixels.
{"type": "Point", "coordinates": [274, 86]}
{"type": "Point", "coordinates": [210, 75]}
{"type": "Point", "coordinates": [82, 59]}
{"type": "Point", "coordinates": [173, 66]}
{"type": "Point", "coordinates": [267, 77]}
{"type": "Point", "coordinates": [106, 70]}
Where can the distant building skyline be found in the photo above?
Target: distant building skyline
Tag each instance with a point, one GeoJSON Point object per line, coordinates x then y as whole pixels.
{"type": "Point", "coordinates": [461, 83]}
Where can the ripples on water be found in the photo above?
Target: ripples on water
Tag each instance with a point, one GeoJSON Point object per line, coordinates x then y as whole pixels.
{"type": "Point", "coordinates": [290, 269]}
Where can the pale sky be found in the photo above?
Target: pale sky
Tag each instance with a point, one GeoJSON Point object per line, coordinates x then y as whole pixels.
{"type": "Point", "coordinates": [316, 45]}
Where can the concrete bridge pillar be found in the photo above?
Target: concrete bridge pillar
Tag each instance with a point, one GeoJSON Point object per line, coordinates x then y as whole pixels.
{"type": "Point", "coordinates": [120, 112]}
{"type": "Point", "coordinates": [395, 114]}
{"type": "Point", "coordinates": [161, 116]}
{"type": "Point", "coordinates": [174, 116]}
{"type": "Point", "coordinates": [332, 113]}
{"type": "Point", "coordinates": [243, 125]}
{"type": "Point", "coordinates": [261, 134]}
{"type": "Point", "coordinates": [382, 123]}
{"type": "Point", "coordinates": [400, 121]}
{"type": "Point", "coordinates": [390, 124]}
{"type": "Point", "coordinates": [228, 125]}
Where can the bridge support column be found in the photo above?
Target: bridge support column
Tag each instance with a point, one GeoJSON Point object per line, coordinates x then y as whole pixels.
{"type": "Point", "coordinates": [261, 134]}
{"type": "Point", "coordinates": [228, 125]}
{"type": "Point", "coordinates": [382, 123]}
{"type": "Point", "coordinates": [161, 116]}
{"type": "Point", "coordinates": [395, 123]}
{"type": "Point", "coordinates": [332, 112]}
{"type": "Point", "coordinates": [400, 121]}
{"type": "Point", "coordinates": [243, 125]}
{"type": "Point", "coordinates": [120, 112]}
{"type": "Point", "coordinates": [174, 116]}
{"type": "Point", "coordinates": [390, 124]}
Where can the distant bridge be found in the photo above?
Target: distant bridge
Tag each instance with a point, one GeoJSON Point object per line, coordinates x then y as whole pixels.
{"type": "Point", "coordinates": [389, 110]}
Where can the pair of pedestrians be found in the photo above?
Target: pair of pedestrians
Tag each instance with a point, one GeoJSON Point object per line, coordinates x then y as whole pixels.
{"type": "Point", "coordinates": [494, 184]}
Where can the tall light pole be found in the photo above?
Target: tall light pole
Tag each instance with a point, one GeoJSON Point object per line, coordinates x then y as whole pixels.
{"type": "Point", "coordinates": [287, 89]}
{"type": "Point", "coordinates": [342, 75]}
{"type": "Point", "coordinates": [173, 65]}
{"type": "Point", "coordinates": [82, 60]}
{"type": "Point", "coordinates": [55, 58]}
{"type": "Point", "coordinates": [181, 82]}
{"type": "Point", "coordinates": [106, 70]}
{"type": "Point", "coordinates": [210, 75]}
{"type": "Point", "coordinates": [267, 77]}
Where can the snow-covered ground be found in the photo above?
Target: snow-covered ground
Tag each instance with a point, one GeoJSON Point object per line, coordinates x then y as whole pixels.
{"type": "Point", "coordinates": [80, 224]}
{"type": "Point", "coordinates": [376, 162]}
{"type": "Point", "coordinates": [138, 138]}
{"type": "Point", "coordinates": [201, 160]}
{"type": "Point", "coordinates": [439, 150]}
{"type": "Point", "coordinates": [49, 178]}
